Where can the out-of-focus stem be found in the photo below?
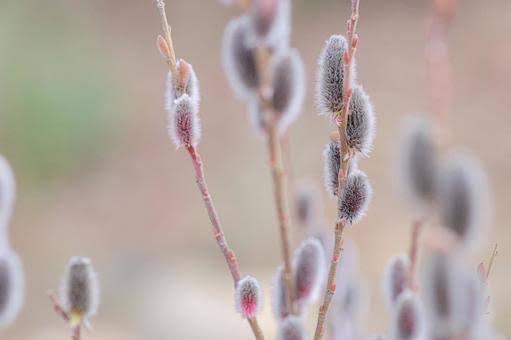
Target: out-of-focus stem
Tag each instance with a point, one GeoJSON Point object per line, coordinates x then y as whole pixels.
{"type": "Point", "coordinates": [59, 310]}
{"type": "Point", "coordinates": [218, 233]}
{"type": "Point", "coordinates": [342, 122]}
{"type": "Point", "coordinates": [417, 228]}
{"type": "Point", "coordinates": [281, 203]}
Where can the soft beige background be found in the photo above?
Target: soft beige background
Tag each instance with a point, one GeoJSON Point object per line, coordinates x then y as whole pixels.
{"type": "Point", "coordinates": [81, 97]}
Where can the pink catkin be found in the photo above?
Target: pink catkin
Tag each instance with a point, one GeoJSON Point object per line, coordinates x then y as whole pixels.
{"type": "Point", "coordinates": [248, 297]}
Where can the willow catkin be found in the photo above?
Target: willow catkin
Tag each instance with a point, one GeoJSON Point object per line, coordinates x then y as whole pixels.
{"type": "Point", "coordinates": [408, 323]}
{"type": "Point", "coordinates": [79, 291]}
{"type": "Point", "coordinates": [184, 122]}
{"type": "Point", "coordinates": [309, 270]}
{"type": "Point", "coordinates": [354, 198]}
{"type": "Point", "coordinates": [12, 286]}
{"type": "Point", "coordinates": [396, 278]}
{"type": "Point", "coordinates": [248, 297]}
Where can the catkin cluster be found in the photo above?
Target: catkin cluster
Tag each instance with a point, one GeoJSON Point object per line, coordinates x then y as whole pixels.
{"type": "Point", "coordinates": [448, 189]}
{"type": "Point", "coordinates": [355, 194]}
{"type": "Point", "coordinates": [262, 69]}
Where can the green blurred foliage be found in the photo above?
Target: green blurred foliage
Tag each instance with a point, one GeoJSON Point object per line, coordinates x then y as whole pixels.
{"type": "Point", "coordinates": [55, 97]}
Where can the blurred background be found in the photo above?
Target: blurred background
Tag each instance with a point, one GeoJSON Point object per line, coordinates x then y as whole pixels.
{"type": "Point", "coordinates": [82, 122]}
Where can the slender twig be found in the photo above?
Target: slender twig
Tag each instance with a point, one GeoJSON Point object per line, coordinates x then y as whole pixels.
{"type": "Point", "coordinates": [228, 253]}
{"type": "Point", "coordinates": [331, 282]}
{"type": "Point", "coordinates": [341, 120]}
{"type": "Point", "coordinates": [218, 233]}
{"type": "Point", "coordinates": [59, 310]}
{"type": "Point", "coordinates": [230, 257]}
{"type": "Point", "coordinates": [168, 37]}
{"type": "Point", "coordinates": [418, 226]}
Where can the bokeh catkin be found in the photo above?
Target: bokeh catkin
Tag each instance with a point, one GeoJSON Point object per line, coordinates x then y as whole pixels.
{"type": "Point", "coordinates": [270, 22]}
{"type": "Point", "coordinates": [12, 285]}
{"type": "Point", "coordinates": [309, 269]}
{"type": "Point", "coordinates": [408, 321]}
{"type": "Point", "coordinates": [396, 278]}
{"type": "Point", "coordinates": [240, 58]}
{"type": "Point", "coordinates": [279, 303]}
{"type": "Point", "coordinates": [292, 328]}
{"type": "Point", "coordinates": [79, 290]}
{"type": "Point", "coordinates": [463, 196]}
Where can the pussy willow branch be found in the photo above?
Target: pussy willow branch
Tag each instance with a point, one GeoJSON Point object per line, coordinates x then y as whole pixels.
{"type": "Point", "coordinates": [229, 255]}
{"type": "Point", "coordinates": [278, 175]}
{"type": "Point", "coordinates": [59, 310]}
{"type": "Point", "coordinates": [342, 120]}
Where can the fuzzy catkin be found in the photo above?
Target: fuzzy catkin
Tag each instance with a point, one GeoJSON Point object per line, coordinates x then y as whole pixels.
{"type": "Point", "coordinates": [248, 297]}
{"type": "Point", "coordinates": [408, 319]}
{"type": "Point", "coordinates": [270, 22]}
{"type": "Point", "coordinates": [462, 196]}
{"type": "Point", "coordinates": [309, 268]}
{"type": "Point", "coordinates": [292, 328]}
{"type": "Point", "coordinates": [239, 57]}
{"type": "Point", "coordinates": [80, 288]}
{"type": "Point", "coordinates": [288, 79]}
{"type": "Point", "coordinates": [361, 122]}
{"type": "Point", "coordinates": [12, 285]}
{"type": "Point", "coordinates": [330, 76]}
{"type": "Point", "coordinates": [354, 198]}
{"type": "Point", "coordinates": [184, 122]}
{"type": "Point", "coordinates": [396, 278]}
{"type": "Point", "coordinates": [418, 160]}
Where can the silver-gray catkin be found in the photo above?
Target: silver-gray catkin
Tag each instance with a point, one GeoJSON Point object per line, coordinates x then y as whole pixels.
{"type": "Point", "coordinates": [288, 80]}
{"type": "Point", "coordinates": [291, 328]}
{"type": "Point", "coordinates": [396, 278]}
{"type": "Point", "coordinates": [79, 291]}
{"type": "Point", "coordinates": [308, 205]}
{"type": "Point", "coordinates": [418, 160]}
{"type": "Point", "coordinates": [408, 321]}
{"type": "Point", "coordinates": [332, 157]}
{"type": "Point", "coordinates": [361, 122]}
{"type": "Point", "coordinates": [330, 76]}
{"type": "Point", "coordinates": [309, 268]}
{"type": "Point", "coordinates": [463, 196]}
{"type": "Point", "coordinates": [248, 297]}
{"type": "Point", "coordinates": [240, 57]}
{"type": "Point", "coordinates": [354, 198]}
{"type": "Point", "coordinates": [12, 286]}
{"type": "Point", "coordinates": [184, 122]}
{"type": "Point", "coordinates": [270, 22]}
{"type": "Point", "coordinates": [190, 88]}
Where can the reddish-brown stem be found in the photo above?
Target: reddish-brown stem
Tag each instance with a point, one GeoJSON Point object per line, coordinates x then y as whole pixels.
{"type": "Point", "coordinates": [331, 282]}
{"type": "Point", "coordinates": [218, 234]}
{"type": "Point", "coordinates": [342, 122]}
{"type": "Point", "coordinates": [417, 227]}
{"type": "Point", "coordinates": [59, 310]}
